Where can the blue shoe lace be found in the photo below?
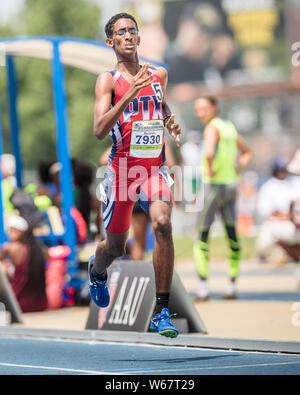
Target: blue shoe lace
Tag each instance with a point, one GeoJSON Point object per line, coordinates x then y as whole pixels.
{"type": "Point", "coordinates": [161, 323]}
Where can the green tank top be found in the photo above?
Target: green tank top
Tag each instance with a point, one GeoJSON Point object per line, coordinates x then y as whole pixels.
{"type": "Point", "coordinates": [225, 155]}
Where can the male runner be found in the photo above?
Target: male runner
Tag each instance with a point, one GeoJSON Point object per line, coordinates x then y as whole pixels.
{"type": "Point", "coordinates": [225, 154]}
{"type": "Point", "coordinates": [131, 106]}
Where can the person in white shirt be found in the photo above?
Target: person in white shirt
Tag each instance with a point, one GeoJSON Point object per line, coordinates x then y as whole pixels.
{"type": "Point", "coordinates": [291, 244]}
{"type": "Point", "coordinates": [273, 206]}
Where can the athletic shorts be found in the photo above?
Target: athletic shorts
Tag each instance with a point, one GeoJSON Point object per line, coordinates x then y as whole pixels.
{"type": "Point", "coordinates": [119, 196]}
{"type": "Point", "coordinates": [137, 209]}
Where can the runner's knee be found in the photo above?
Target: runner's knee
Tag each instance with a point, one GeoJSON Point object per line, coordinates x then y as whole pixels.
{"type": "Point", "coordinates": [162, 225]}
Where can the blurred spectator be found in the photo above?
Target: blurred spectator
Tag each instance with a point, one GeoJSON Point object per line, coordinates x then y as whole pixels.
{"type": "Point", "coordinates": [291, 240]}
{"type": "Point", "coordinates": [154, 41]}
{"type": "Point", "coordinates": [23, 261]}
{"type": "Point", "coordinates": [8, 168]}
{"type": "Point", "coordinates": [189, 57]}
{"type": "Point", "coordinates": [225, 155]}
{"type": "Point", "coordinates": [273, 205]}
{"type": "Point", "coordinates": [42, 202]}
{"type": "Point", "coordinates": [14, 198]}
{"type": "Point", "coordinates": [202, 45]}
{"type": "Point", "coordinates": [54, 184]}
{"type": "Point", "coordinates": [24, 203]}
{"type": "Point", "coordinates": [47, 186]}
{"type": "Point", "coordinates": [83, 178]}
{"type": "Point", "coordinates": [86, 203]}
{"type": "Point", "coordinates": [224, 57]}
{"type": "Point", "coordinates": [8, 163]}
{"type": "Point", "coordinates": [50, 175]}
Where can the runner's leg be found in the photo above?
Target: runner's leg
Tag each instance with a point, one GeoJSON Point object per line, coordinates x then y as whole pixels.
{"type": "Point", "coordinates": [155, 198]}
{"type": "Point", "coordinates": [163, 251]}
{"type": "Point", "coordinates": [139, 222]}
{"type": "Point", "coordinates": [108, 250]}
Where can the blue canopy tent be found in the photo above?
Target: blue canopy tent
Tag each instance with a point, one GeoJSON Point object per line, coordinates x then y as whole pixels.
{"type": "Point", "coordinates": [91, 56]}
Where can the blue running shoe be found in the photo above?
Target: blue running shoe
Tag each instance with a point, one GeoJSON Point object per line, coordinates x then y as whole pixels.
{"type": "Point", "coordinates": [98, 289]}
{"type": "Point", "coordinates": [161, 323]}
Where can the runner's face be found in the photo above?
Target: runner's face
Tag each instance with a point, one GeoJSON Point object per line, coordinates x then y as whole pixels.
{"type": "Point", "coordinates": [125, 37]}
{"type": "Point", "coordinates": [204, 110]}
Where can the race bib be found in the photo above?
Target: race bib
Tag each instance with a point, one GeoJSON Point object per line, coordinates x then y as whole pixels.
{"type": "Point", "coordinates": [146, 139]}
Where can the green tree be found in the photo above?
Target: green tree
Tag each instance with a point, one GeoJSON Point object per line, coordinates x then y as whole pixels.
{"type": "Point", "coordinates": [5, 31]}
{"type": "Point", "coordinates": [76, 18]}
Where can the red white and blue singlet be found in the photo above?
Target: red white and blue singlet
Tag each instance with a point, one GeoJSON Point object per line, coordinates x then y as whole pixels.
{"type": "Point", "coordinates": [135, 168]}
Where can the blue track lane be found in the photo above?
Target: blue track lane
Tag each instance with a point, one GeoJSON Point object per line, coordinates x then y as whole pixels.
{"type": "Point", "coordinates": [44, 357]}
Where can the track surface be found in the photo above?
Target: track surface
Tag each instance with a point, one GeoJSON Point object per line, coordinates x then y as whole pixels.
{"type": "Point", "coordinates": [57, 357]}
{"type": "Point", "coordinates": [28, 351]}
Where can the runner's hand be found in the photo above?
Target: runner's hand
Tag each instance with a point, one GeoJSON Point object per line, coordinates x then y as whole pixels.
{"type": "Point", "coordinates": [140, 81]}
{"type": "Point", "coordinates": [174, 130]}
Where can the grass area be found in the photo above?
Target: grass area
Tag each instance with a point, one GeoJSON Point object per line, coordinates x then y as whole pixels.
{"type": "Point", "coordinates": [218, 248]}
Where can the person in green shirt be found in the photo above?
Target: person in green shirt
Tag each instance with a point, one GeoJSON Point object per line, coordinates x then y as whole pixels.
{"type": "Point", "coordinates": [226, 154]}
{"type": "Point", "coordinates": [8, 169]}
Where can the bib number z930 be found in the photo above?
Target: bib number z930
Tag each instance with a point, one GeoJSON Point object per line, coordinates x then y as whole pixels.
{"type": "Point", "coordinates": [146, 139]}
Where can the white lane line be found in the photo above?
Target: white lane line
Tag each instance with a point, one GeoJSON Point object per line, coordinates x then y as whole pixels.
{"type": "Point", "coordinates": [209, 368]}
{"type": "Point", "coordinates": [147, 371]}
{"type": "Point", "coordinates": [57, 369]}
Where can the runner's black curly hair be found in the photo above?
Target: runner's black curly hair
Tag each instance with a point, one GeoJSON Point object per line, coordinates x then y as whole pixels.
{"type": "Point", "coordinates": [109, 27]}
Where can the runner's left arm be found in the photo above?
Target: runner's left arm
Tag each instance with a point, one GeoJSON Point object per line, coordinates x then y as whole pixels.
{"type": "Point", "coordinates": [173, 127]}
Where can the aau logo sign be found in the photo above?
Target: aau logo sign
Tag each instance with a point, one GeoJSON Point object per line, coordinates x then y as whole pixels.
{"type": "Point", "coordinates": [132, 293]}
{"type": "Point", "coordinates": [126, 313]}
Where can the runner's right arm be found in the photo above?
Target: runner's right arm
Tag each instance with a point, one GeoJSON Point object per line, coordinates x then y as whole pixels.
{"type": "Point", "coordinates": [105, 116]}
